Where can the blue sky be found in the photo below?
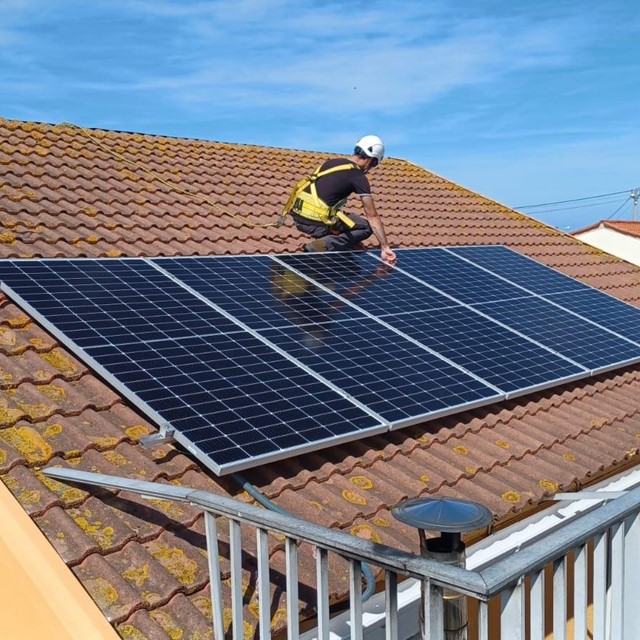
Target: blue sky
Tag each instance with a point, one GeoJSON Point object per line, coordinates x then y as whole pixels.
{"type": "Point", "coordinates": [524, 102]}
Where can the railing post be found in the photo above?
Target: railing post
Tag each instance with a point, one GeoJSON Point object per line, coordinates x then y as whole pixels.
{"type": "Point", "coordinates": [293, 623]}
{"type": "Point", "coordinates": [560, 599]}
{"type": "Point", "coordinates": [616, 595]}
{"type": "Point", "coordinates": [580, 592]}
{"type": "Point", "coordinates": [432, 614]}
{"type": "Point", "coordinates": [391, 605]}
{"type": "Point", "coordinates": [512, 612]}
{"type": "Point", "coordinates": [322, 591]}
{"type": "Point", "coordinates": [264, 601]}
{"type": "Point", "coordinates": [355, 594]}
{"type": "Point", "coordinates": [600, 586]}
{"type": "Point", "coordinates": [632, 577]}
{"type": "Point", "coordinates": [215, 584]}
{"type": "Point", "coordinates": [536, 606]}
{"type": "Point", "coordinates": [235, 551]}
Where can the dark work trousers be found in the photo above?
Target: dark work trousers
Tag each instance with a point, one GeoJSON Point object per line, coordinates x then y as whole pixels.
{"type": "Point", "coordinates": [337, 237]}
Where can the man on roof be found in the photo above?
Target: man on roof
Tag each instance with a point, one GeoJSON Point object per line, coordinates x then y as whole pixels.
{"type": "Point", "coordinates": [316, 201]}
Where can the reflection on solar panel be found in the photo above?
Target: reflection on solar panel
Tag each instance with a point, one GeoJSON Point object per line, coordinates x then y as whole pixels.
{"type": "Point", "coordinates": [252, 359]}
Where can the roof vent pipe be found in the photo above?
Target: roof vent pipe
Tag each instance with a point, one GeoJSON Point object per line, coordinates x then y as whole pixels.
{"type": "Point", "coordinates": [450, 518]}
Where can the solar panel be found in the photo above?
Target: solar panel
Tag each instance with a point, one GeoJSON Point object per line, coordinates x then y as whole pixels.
{"type": "Point", "coordinates": [607, 311]}
{"type": "Point", "coordinates": [256, 358]}
{"type": "Point", "coordinates": [455, 277]}
{"type": "Point", "coordinates": [518, 269]}
{"type": "Point", "coordinates": [489, 350]}
{"type": "Point", "coordinates": [582, 341]}
{"type": "Point", "coordinates": [257, 291]}
{"type": "Point", "coordinates": [386, 372]}
{"type": "Point", "coordinates": [371, 285]}
{"type": "Point", "coordinates": [232, 400]}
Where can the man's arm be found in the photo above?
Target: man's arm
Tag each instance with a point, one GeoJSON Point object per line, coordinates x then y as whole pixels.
{"type": "Point", "coordinates": [388, 255]}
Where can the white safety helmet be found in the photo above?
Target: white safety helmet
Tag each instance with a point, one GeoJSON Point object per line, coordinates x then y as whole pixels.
{"type": "Point", "coordinates": [371, 147]}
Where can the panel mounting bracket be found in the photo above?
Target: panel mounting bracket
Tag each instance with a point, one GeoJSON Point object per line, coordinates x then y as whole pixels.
{"type": "Point", "coordinates": [156, 439]}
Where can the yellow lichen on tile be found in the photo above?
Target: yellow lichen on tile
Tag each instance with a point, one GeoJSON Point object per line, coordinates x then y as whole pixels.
{"type": "Point", "coordinates": [105, 442]}
{"type": "Point", "coordinates": [169, 508]}
{"type": "Point", "coordinates": [116, 458]}
{"type": "Point", "coordinates": [461, 451]}
{"type": "Point", "coordinates": [425, 478]}
{"type": "Point", "coordinates": [54, 429]}
{"type": "Point", "coordinates": [68, 494]}
{"type": "Point", "coordinates": [58, 360]}
{"type": "Point", "coordinates": [177, 563]}
{"type": "Point", "coordinates": [35, 411]}
{"type": "Point", "coordinates": [569, 457]}
{"type": "Point", "coordinates": [549, 485]}
{"type": "Point", "coordinates": [3, 456]}
{"type": "Point", "coordinates": [511, 496]}
{"type": "Point", "coordinates": [137, 431]}
{"type": "Point", "coordinates": [102, 535]}
{"type": "Point", "coordinates": [28, 442]}
{"type": "Point", "coordinates": [8, 416]}
{"type": "Point", "coordinates": [168, 624]}
{"type": "Point", "coordinates": [102, 591]}
{"type": "Point", "coordinates": [381, 522]}
{"type": "Point", "coordinates": [39, 343]}
{"type": "Point", "coordinates": [114, 253]}
{"type": "Point", "coordinates": [137, 575]}
{"type": "Point", "coordinates": [503, 444]}
{"type": "Point", "coordinates": [366, 532]}
{"type": "Point", "coordinates": [129, 632]}
{"type": "Point", "coordinates": [7, 337]}
{"type": "Point", "coordinates": [5, 376]}
{"type": "Point", "coordinates": [362, 482]}
{"type": "Point", "coordinates": [353, 497]}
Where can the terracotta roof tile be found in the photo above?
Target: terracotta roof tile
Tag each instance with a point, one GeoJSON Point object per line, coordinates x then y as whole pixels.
{"type": "Point", "coordinates": [70, 540]}
{"type": "Point", "coordinates": [65, 194]}
{"type": "Point", "coordinates": [111, 592]}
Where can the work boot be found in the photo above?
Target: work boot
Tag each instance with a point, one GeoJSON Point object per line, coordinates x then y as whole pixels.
{"type": "Point", "coordinates": [316, 245]}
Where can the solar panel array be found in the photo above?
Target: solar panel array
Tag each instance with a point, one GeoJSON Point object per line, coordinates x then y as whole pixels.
{"type": "Point", "coordinates": [250, 359]}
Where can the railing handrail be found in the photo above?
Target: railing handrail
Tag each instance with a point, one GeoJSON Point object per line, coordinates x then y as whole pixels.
{"type": "Point", "coordinates": [482, 584]}
{"type": "Point", "coordinates": [559, 542]}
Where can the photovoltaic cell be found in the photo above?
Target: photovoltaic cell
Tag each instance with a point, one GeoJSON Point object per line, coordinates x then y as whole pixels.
{"type": "Point", "coordinates": [496, 354]}
{"type": "Point", "coordinates": [519, 269]}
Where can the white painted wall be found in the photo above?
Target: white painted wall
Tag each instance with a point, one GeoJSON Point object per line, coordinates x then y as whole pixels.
{"type": "Point", "coordinates": [618, 244]}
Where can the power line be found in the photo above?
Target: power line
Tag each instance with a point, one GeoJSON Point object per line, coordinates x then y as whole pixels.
{"type": "Point", "coordinates": [618, 209]}
{"type": "Point", "coordinates": [581, 206]}
{"type": "Point", "coordinates": [545, 204]}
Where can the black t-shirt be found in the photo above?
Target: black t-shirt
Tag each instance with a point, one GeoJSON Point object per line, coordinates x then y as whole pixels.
{"type": "Point", "coordinates": [338, 185]}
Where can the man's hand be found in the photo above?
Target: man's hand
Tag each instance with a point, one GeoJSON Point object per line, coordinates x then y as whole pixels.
{"type": "Point", "coordinates": [389, 256]}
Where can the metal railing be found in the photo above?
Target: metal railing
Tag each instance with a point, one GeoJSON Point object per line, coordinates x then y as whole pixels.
{"type": "Point", "coordinates": [587, 572]}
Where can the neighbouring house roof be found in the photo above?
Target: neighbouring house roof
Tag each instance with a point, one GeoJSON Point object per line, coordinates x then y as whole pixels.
{"type": "Point", "coordinates": [628, 227]}
{"type": "Point", "coordinates": [65, 193]}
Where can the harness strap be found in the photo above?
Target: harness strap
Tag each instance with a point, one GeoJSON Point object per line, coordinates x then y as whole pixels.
{"type": "Point", "coordinates": [309, 205]}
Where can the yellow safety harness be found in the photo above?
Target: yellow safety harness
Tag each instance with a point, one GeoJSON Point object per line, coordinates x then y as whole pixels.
{"type": "Point", "coordinates": [308, 204]}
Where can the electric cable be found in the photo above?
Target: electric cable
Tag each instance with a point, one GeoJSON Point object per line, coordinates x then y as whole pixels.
{"type": "Point", "coordinates": [544, 204]}
{"type": "Point", "coordinates": [255, 493]}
